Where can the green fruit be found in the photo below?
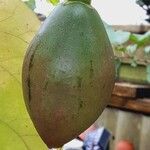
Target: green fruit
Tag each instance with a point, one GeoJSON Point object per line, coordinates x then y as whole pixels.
{"type": "Point", "coordinates": [68, 73]}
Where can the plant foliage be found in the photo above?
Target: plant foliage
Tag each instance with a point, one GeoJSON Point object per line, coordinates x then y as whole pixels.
{"type": "Point", "coordinates": [31, 4]}
{"type": "Point", "coordinates": [17, 27]}
{"type": "Point", "coordinates": [145, 4]}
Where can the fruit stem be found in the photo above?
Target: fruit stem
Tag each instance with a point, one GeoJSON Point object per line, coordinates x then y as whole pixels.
{"type": "Point", "coordinates": [84, 1]}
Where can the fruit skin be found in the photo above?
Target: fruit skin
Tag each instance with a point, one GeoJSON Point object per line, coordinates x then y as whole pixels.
{"type": "Point", "coordinates": [68, 73]}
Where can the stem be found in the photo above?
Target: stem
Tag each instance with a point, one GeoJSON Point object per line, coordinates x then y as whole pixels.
{"type": "Point", "coordinates": [84, 1]}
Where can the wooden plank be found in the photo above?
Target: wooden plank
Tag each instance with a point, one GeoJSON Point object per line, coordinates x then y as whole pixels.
{"type": "Point", "coordinates": [141, 61]}
{"type": "Point", "coordinates": [127, 89]}
{"type": "Point", "coordinates": [139, 105]}
{"type": "Point", "coordinates": [123, 89]}
{"type": "Point", "coordinates": [133, 28]}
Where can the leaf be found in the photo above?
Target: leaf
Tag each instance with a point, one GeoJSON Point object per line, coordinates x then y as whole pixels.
{"type": "Point", "coordinates": [131, 49]}
{"type": "Point", "coordinates": [17, 27]}
{"type": "Point", "coordinates": [120, 48]}
{"type": "Point", "coordinates": [147, 50]}
{"type": "Point", "coordinates": [141, 40]}
{"type": "Point", "coordinates": [117, 37]}
{"type": "Point", "coordinates": [145, 39]}
{"type": "Point", "coordinates": [54, 2]}
{"type": "Point", "coordinates": [143, 2]}
{"type": "Point", "coordinates": [30, 4]}
{"type": "Point", "coordinates": [140, 2]}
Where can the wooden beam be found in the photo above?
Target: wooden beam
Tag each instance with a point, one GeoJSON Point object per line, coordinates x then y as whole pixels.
{"type": "Point", "coordinates": [133, 28]}
{"type": "Point", "coordinates": [138, 105]}
{"type": "Point", "coordinates": [128, 89]}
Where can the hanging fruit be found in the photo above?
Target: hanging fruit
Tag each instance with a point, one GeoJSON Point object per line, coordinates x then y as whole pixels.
{"type": "Point", "coordinates": [68, 72]}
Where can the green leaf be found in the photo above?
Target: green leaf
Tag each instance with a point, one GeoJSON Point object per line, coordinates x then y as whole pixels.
{"type": "Point", "coordinates": [131, 49]}
{"type": "Point", "coordinates": [120, 48]}
{"type": "Point", "coordinates": [145, 39]}
{"type": "Point", "coordinates": [147, 50]}
{"type": "Point", "coordinates": [117, 37]}
{"type": "Point", "coordinates": [31, 4]}
{"type": "Point", "coordinates": [141, 40]}
{"type": "Point", "coordinates": [17, 27]}
{"type": "Point", "coordinates": [143, 2]}
{"type": "Point", "coordinates": [134, 38]}
{"type": "Point", "coordinates": [140, 2]}
{"type": "Point", "coordinates": [54, 2]}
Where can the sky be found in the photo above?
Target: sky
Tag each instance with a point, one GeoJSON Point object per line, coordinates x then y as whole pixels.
{"type": "Point", "coordinates": [113, 12]}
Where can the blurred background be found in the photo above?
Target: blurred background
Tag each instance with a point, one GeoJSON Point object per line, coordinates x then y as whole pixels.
{"type": "Point", "coordinates": [114, 12]}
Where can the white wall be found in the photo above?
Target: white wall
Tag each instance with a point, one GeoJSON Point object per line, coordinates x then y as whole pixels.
{"type": "Point", "coordinates": [111, 11]}
{"type": "Point", "coordinates": [120, 11]}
